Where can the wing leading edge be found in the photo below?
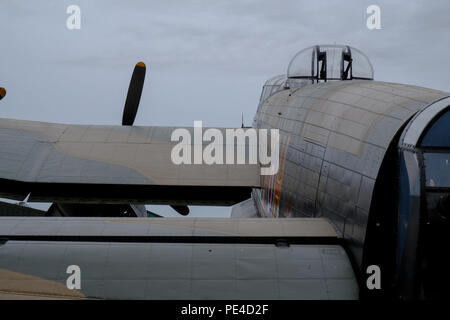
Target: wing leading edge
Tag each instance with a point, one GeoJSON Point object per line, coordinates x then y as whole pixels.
{"type": "Point", "coordinates": [73, 163]}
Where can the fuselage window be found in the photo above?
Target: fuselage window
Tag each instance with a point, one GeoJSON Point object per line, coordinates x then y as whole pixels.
{"type": "Point", "coordinates": [439, 134]}
{"type": "Point", "coordinates": [437, 169]}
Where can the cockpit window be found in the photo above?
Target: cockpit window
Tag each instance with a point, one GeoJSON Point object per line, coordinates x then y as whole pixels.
{"type": "Point", "coordinates": [361, 66]}
{"type": "Point", "coordinates": [272, 85]}
{"type": "Point", "coordinates": [303, 64]}
{"type": "Point", "coordinates": [330, 62]}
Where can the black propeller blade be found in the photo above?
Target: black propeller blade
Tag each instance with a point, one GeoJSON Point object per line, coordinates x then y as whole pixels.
{"type": "Point", "coordinates": [134, 94]}
{"type": "Point", "coordinates": [131, 108]}
{"type": "Point", "coordinates": [2, 92]}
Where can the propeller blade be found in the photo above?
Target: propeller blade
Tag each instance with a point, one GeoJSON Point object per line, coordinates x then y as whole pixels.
{"type": "Point", "coordinates": [2, 92]}
{"type": "Point", "coordinates": [134, 94]}
{"type": "Point", "coordinates": [183, 210]}
{"type": "Point", "coordinates": [131, 108]}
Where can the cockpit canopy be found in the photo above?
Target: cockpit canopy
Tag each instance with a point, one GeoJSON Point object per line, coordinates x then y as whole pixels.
{"type": "Point", "coordinates": [320, 63]}
{"type": "Point", "coordinates": [330, 62]}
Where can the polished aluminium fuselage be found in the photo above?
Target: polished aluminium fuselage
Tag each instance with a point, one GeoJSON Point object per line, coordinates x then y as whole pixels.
{"type": "Point", "coordinates": [339, 159]}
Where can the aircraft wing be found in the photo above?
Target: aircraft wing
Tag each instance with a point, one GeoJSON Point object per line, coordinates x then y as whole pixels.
{"type": "Point", "coordinates": [111, 164]}
{"type": "Point", "coordinates": [172, 258]}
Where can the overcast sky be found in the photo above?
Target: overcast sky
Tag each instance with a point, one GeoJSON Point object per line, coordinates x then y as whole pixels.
{"type": "Point", "coordinates": [207, 60]}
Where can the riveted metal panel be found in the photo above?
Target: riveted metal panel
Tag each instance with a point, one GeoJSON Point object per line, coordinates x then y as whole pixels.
{"type": "Point", "coordinates": [353, 122]}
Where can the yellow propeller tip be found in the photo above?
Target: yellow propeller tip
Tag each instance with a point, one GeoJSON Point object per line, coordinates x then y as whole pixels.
{"type": "Point", "coordinates": [140, 64]}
